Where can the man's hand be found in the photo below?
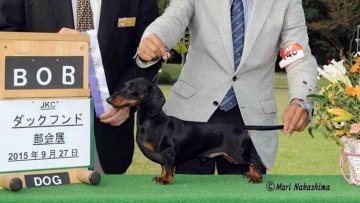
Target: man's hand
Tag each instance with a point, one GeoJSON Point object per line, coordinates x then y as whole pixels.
{"type": "Point", "coordinates": [151, 48]}
{"type": "Point", "coordinates": [66, 30]}
{"type": "Point", "coordinates": [295, 118]}
{"type": "Point", "coordinates": [115, 117]}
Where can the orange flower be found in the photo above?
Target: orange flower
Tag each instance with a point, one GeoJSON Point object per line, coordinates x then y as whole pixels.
{"type": "Point", "coordinates": [357, 88]}
{"type": "Point", "coordinates": [339, 133]}
{"type": "Point", "coordinates": [355, 68]}
{"type": "Point", "coordinates": [351, 91]}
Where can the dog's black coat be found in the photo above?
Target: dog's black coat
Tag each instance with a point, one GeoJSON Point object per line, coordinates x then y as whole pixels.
{"type": "Point", "coordinates": [168, 140]}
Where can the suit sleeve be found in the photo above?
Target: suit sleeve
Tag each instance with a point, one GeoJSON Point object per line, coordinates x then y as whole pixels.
{"type": "Point", "coordinates": [302, 73]}
{"type": "Point", "coordinates": [171, 25]}
{"type": "Point", "coordinates": [147, 13]}
{"type": "Point", "coordinates": [12, 15]}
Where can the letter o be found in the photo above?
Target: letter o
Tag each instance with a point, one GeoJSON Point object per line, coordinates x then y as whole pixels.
{"type": "Point", "coordinates": [47, 70]}
{"type": "Point", "coordinates": [46, 180]}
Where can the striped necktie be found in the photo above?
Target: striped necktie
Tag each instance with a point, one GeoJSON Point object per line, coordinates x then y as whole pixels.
{"type": "Point", "coordinates": [238, 31]}
{"type": "Point", "coordinates": [84, 16]}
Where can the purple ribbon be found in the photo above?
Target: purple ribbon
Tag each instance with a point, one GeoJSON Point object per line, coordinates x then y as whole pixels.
{"type": "Point", "coordinates": [94, 87]}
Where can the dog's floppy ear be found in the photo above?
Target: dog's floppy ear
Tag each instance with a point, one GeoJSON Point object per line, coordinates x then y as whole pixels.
{"type": "Point", "coordinates": [155, 102]}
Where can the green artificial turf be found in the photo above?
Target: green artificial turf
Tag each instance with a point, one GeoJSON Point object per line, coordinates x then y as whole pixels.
{"type": "Point", "coordinates": [187, 188]}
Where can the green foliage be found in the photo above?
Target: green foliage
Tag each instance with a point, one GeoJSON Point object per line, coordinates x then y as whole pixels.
{"type": "Point", "coordinates": [165, 78]}
{"type": "Point", "coordinates": [181, 47]}
{"type": "Point", "coordinates": [162, 4]}
{"type": "Point", "coordinates": [314, 10]}
{"type": "Point", "coordinates": [169, 74]}
{"type": "Point", "coordinates": [332, 25]}
{"type": "Point", "coordinates": [321, 99]}
{"type": "Point", "coordinates": [337, 106]}
{"type": "Point", "coordinates": [313, 14]}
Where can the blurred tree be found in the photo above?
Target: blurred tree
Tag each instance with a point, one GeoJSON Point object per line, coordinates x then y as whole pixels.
{"type": "Point", "coordinates": [332, 27]}
{"type": "Point", "coordinates": [162, 4]}
{"type": "Point", "coordinates": [182, 46]}
{"type": "Point", "coordinates": [331, 23]}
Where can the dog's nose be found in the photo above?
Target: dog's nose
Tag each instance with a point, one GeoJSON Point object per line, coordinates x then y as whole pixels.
{"type": "Point", "coordinates": [108, 100]}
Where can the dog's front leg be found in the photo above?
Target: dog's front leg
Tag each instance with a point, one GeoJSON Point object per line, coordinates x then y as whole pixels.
{"type": "Point", "coordinates": [254, 173]}
{"type": "Point", "coordinates": [162, 176]}
{"type": "Point", "coordinates": [167, 173]}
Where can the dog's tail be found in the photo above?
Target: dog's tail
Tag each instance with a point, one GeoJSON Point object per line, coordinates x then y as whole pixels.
{"type": "Point", "coordinates": [263, 127]}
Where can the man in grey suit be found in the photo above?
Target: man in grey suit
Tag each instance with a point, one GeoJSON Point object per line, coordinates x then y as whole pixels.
{"type": "Point", "coordinates": [216, 74]}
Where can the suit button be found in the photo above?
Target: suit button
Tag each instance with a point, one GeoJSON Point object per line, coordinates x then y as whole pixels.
{"type": "Point", "coordinates": [234, 78]}
{"type": "Point", "coordinates": [216, 103]}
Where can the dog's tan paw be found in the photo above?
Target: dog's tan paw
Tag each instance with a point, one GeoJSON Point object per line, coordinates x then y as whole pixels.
{"type": "Point", "coordinates": [162, 181]}
{"type": "Point", "coordinates": [253, 174]}
{"type": "Point", "coordinates": [255, 179]}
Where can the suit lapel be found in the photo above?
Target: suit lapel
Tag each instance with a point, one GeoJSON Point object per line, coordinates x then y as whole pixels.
{"type": "Point", "coordinates": [63, 12]}
{"type": "Point", "coordinates": [223, 20]}
{"type": "Point", "coordinates": [259, 12]}
{"type": "Point", "coordinates": [108, 21]}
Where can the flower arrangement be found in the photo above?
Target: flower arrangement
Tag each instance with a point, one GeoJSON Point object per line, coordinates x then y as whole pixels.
{"type": "Point", "coordinates": [337, 106]}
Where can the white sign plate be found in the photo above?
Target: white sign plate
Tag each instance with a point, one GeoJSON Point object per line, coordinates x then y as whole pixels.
{"type": "Point", "coordinates": [44, 134]}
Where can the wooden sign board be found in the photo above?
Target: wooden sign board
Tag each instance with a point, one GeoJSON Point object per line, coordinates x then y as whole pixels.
{"type": "Point", "coordinates": [40, 65]}
{"type": "Point", "coordinates": [30, 179]}
{"type": "Point", "coordinates": [45, 134]}
{"type": "Point", "coordinates": [46, 110]}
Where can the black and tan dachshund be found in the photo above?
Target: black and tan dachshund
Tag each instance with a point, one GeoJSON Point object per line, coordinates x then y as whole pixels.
{"type": "Point", "coordinates": [168, 140]}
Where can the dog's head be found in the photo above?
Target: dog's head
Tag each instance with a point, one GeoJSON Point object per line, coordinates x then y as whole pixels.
{"type": "Point", "coordinates": [139, 91]}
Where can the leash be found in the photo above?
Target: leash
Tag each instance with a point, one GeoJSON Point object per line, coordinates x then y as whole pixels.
{"type": "Point", "coordinates": [155, 79]}
{"type": "Point", "coordinates": [263, 127]}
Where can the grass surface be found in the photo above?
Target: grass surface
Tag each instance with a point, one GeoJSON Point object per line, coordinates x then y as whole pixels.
{"type": "Point", "coordinates": [298, 155]}
{"type": "Point", "coordinates": [192, 189]}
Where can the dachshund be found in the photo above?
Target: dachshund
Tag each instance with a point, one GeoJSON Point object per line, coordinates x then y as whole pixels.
{"type": "Point", "coordinates": [168, 140]}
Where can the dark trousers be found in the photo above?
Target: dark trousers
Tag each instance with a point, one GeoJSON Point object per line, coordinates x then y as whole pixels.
{"type": "Point", "coordinates": [198, 166]}
{"type": "Point", "coordinates": [115, 145]}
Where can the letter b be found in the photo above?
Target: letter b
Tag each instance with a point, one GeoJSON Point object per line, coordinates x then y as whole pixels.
{"type": "Point", "coordinates": [20, 77]}
{"type": "Point", "coordinates": [68, 75]}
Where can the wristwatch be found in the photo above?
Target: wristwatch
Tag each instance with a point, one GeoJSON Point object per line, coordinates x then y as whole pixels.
{"type": "Point", "coordinates": [305, 105]}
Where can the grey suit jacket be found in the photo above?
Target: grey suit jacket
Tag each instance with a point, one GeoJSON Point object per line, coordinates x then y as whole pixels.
{"type": "Point", "coordinates": [209, 69]}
